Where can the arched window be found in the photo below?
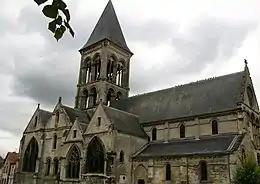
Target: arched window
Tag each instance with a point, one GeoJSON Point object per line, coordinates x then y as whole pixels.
{"type": "Point", "coordinates": [97, 62]}
{"type": "Point", "coordinates": [168, 172]}
{"type": "Point", "coordinates": [110, 68]}
{"type": "Point", "coordinates": [118, 96]}
{"type": "Point", "coordinates": [88, 72]}
{"type": "Point", "coordinates": [203, 171]}
{"type": "Point", "coordinates": [35, 121]}
{"type": "Point", "coordinates": [154, 134]}
{"type": "Point", "coordinates": [119, 75]}
{"type": "Point", "coordinates": [55, 166]}
{"type": "Point", "coordinates": [182, 131]}
{"type": "Point", "coordinates": [121, 156]}
{"type": "Point", "coordinates": [110, 96]}
{"type": "Point", "coordinates": [48, 166]}
{"type": "Point", "coordinates": [30, 156]}
{"type": "Point", "coordinates": [85, 99]}
{"type": "Point", "coordinates": [73, 163]}
{"type": "Point", "coordinates": [94, 96]}
{"type": "Point", "coordinates": [95, 156]}
{"type": "Point", "coordinates": [214, 127]}
{"type": "Point", "coordinates": [54, 141]}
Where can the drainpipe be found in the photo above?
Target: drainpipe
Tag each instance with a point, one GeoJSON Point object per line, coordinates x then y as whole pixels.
{"type": "Point", "coordinates": [229, 174]}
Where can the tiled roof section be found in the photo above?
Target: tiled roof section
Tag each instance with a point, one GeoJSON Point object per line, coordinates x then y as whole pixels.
{"type": "Point", "coordinates": [125, 122]}
{"type": "Point", "coordinates": [108, 27]}
{"type": "Point", "coordinates": [202, 97]}
{"type": "Point", "coordinates": [12, 157]}
{"type": "Point", "coordinates": [73, 113]}
{"type": "Point", "coordinates": [211, 145]}
{"type": "Point", "coordinates": [44, 115]}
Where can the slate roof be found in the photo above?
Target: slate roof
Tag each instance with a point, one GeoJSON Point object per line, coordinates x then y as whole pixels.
{"type": "Point", "coordinates": [125, 122]}
{"type": "Point", "coordinates": [73, 113]}
{"type": "Point", "coordinates": [108, 27]}
{"type": "Point", "coordinates": [202, 97]}
{"type": "Point", "coordinates": [210, 145]}
{"type": "Point", "coordinates": [44, 115]}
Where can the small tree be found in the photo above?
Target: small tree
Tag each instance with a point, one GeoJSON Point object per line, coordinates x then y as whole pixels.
{"type": "Point", "coordinates": [247, 172]}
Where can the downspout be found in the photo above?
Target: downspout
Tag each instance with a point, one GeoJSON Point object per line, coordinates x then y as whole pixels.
{"type": "Point", "coordinates": [42, 154]}
{"type": "Point", "coordinates": [229, 174]}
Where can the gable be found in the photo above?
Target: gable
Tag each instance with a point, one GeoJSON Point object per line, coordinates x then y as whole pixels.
{"type": "Point", "coordinates": [202, 97]}
{"type": "Point", "coordinates": [249, 96]}
{"type": "Point", "coordinates": [75, 133]}
{"type": "Point", "coordinates": [38, 120]}
{"type": "Point", "coordinates": [99, 122]}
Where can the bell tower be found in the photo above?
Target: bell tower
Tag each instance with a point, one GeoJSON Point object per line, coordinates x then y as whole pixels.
{"type": "Point", "coordinates": [105, 64]}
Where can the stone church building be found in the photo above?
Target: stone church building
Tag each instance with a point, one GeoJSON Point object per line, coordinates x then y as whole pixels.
{"type": "Point", "coordinates": [188, 134]}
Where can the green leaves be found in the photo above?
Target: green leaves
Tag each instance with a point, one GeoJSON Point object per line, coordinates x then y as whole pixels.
{"type": "Point", "coordinates": [58, 25]}
{"type": "Point", "coordinates": [39, 2]}
{"type": "Point", "coordinates": [50, 11]}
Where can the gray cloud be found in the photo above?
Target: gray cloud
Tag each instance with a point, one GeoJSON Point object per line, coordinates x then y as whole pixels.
{"type": "Point", "coordinates": [205, 43]}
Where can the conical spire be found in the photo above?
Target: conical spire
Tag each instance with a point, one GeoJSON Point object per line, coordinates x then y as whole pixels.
{"type": "Point", "coordinates": [108, 27]}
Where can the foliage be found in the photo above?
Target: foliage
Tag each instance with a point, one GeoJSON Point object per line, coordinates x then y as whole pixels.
{"type": "Point", "coordinates": [58, 25]}
{"type": "Point", "coordinates": [248, 172]}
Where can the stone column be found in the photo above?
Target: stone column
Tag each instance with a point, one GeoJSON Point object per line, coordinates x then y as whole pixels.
{"type": "Point", "coordinates": [104, 61]}
{"type": "Point", "coordinates": [114, 73]}
{"type": "Point", "coordinates": [83, 75]}
{"type": "Point", "coordinates": [62, 169]}
{"type": "Point", "coordinates": [93, 72]}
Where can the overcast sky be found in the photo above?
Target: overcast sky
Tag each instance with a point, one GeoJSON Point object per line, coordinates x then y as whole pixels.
{"type": "Point", "coordinates": [176, 42]}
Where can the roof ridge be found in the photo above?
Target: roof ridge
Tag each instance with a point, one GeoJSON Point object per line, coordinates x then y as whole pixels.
{"type": "Point", "coordinates": [73, 108]}
{"type": "Point", "coordinates": [186, 84]}
{"type": "Point", "coordinates": [121, 111]}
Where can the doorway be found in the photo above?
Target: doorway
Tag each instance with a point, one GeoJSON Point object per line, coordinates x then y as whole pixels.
{"type": "Point", "coordinates": [141, 181]}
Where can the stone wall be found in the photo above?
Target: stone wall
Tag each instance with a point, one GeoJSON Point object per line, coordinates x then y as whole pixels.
{"type": "Point", "coordinates": [183, 170]}
{"type": "Point", "coordinates": [195, 127]}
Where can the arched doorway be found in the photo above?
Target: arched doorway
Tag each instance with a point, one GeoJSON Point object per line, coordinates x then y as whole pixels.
{"type": "Point", "coordinates": [141, 181]}
{"type": "Point", "coordinates": [30, 156]}
{"type": "Point", "coordinates": [95, 156]}
{"type": "Point", "coordinates": [140, 175]}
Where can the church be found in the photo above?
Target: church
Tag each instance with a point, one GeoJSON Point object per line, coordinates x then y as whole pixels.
{"type": "Point", "coordinates": [188, 134]}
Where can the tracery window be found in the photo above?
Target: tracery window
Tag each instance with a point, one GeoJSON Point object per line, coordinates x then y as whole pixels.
{"type": "Point", "coordinates": [73, 163]}
{"type": "Point", "coordinates": [30, 156]}
{"type": "Point", "coordinates": [95, 156]}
